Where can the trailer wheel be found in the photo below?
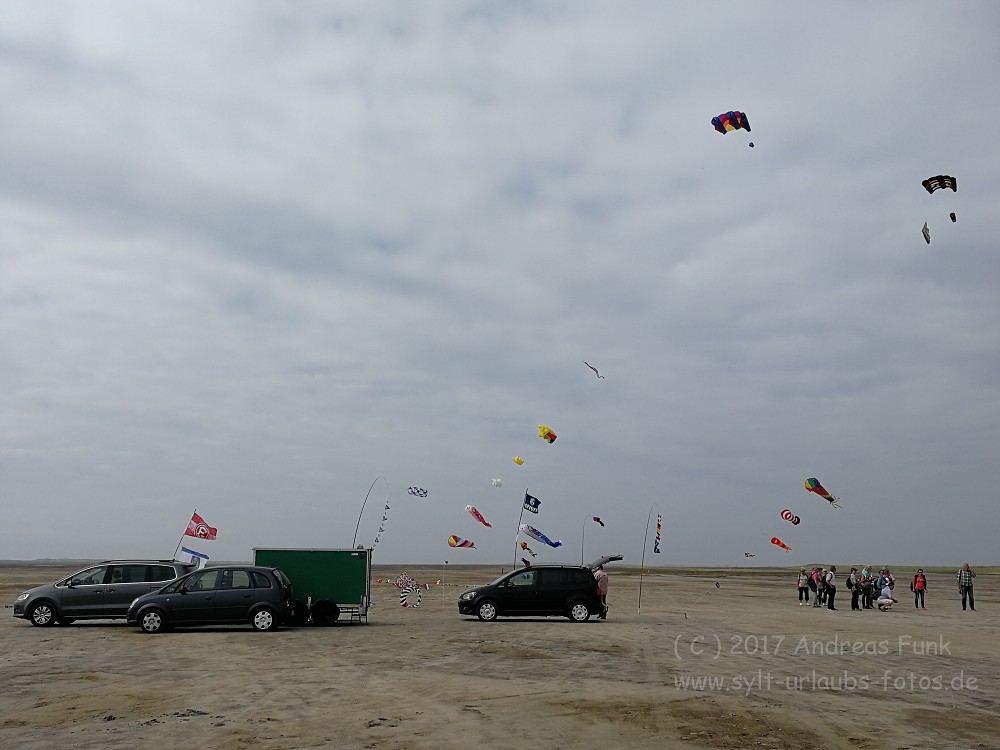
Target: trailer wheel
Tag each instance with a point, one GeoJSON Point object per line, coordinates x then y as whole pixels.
{"type": "Point", "coordinates": [325, 612]}
{"type": "Point", "coordinates": [300, 613]}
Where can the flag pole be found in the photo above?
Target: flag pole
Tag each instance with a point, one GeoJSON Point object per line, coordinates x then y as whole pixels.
{"type": "Point", "coordinates": [642, 564]}
{"type": "Point", "coordinates": [355, 542]}
{"type": "Point", "coordinates": [181, 540]}
{"type": "Point", "coordinates": [518, 533]}
{"type": "Point", "coordinates": [583, 539]}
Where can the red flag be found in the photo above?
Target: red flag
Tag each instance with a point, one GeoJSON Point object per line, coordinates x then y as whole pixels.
{"type": "Point", "coordinates": [199, 529]}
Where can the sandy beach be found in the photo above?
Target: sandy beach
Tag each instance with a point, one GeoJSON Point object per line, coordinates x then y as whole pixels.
{"type": "Point", "coordinates": [740, 665]}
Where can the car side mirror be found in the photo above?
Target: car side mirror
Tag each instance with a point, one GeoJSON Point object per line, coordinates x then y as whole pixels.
{"type": "Point", "coordinates": [73, 582]}
{"type": "Point", "coordinates": [184, 589]}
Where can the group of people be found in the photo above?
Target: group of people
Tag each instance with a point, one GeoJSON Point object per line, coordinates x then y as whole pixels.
{"type": "Point", "coordinates": [870, 590]}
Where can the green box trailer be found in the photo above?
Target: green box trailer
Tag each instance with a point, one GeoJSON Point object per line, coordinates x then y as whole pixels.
{"type": "Point", "coordinates": [326, 583]}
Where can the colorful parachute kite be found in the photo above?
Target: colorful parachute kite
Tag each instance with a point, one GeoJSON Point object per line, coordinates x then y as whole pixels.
{"type": "Point", "coordinates": [546, 433]}
{"type": "Point", "coordinates": [538, 536]}
{"type": "Point", "coordinates": [789, 516]}
{"type": "Point", "coordinates": [518, 460]}
{"type": "Point", "coordinates": [457, 541]}
{"type": "Point", "coordinates": [496, 482]}
{"type": "Point", "coordinates": [778, 543]}
{"type": "Point", "coordinates": [940, 181]}
{"type": "Point", "coordinates": [526, 548]}
{"type": "Point", "coordinates": [478, 516]}
{"type": "Point", "coordinates": [731, 121]}
{"type": "Point", "coordinates": [813, 485]}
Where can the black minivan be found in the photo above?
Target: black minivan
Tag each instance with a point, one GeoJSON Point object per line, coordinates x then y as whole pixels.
{"type": "Point", "coordinates": [549, 590]}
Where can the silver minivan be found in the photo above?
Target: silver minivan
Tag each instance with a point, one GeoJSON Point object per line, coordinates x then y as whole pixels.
{"type": "Point", "coordinates": [102, 591]}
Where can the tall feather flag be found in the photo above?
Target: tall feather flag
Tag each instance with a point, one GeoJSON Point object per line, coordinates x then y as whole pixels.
{"type": "Point", "coordinates": [656, 542]}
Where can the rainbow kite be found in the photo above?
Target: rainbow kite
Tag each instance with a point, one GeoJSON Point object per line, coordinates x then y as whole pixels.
{"type": "Point", "coordinates": [457, 541]}
{"type": "Point", "coordinates": [812, 484]}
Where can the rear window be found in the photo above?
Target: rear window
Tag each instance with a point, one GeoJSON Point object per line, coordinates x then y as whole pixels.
{"type": "Point", "coordinates": [235, 579]}
{"type": "Point", "coordinates": [260, 581]}
{"type": "Point", "coordinates": [583, 577]}
{"type": "Point", "coordinates": [160, 573]}
{"type": "Point", "coordinates": [556, 578]}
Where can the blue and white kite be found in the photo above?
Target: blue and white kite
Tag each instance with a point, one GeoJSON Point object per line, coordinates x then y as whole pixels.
{"type": "Point", "coordinates": [538, 536]}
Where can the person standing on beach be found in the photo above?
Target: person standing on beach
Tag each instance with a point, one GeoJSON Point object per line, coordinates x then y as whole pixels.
{"type": "Point", "coordinates": [867, 588]}
{"type": "Point", "coordinates": [918, 586]}
{"type": "Point", "coordinates": [602, 590]}
{"type": "Point", "coordinates": [803, 586]}
{"type": "Point", "coordinates": [965, 576]}
{"type": "Point", "coordinates": [817, 580]}
{"type": "Point", "coordinates": [854, 586]}
{"type": "Point", "coordinates": [831, 587]}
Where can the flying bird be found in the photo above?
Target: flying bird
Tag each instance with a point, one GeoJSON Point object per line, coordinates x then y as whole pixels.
{"type": "Point", "coordinates": [594, 369]}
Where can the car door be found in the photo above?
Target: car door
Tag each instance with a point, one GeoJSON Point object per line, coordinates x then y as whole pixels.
{"type": "Point", "coordinates": [553, 590]}
{"type": "Point", "coordinates": [194, 601]}
{"type": "Point", "coordinates": [129, 580]}
{"type": "Point", "coordinates": [234, 596]}
{"type": "Point", "coordinates": [519, 593]}
{"type": "Point", "coordinates": [83, 593]}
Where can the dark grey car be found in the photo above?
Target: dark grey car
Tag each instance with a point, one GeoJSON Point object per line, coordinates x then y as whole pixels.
{"type": "Point", "coordinates": [102, 591]}
{"type": "Point", "coordinates": [231, 594]}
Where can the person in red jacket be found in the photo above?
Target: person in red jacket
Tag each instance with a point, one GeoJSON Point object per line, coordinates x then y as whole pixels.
{"type": "Point", "coordinates": [918, 586]}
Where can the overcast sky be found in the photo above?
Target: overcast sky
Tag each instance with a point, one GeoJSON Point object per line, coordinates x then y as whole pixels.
{"type": "Point", "coordinates": [254, 256]}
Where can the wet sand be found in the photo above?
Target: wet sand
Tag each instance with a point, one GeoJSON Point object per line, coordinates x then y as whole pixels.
{"type": "Point", "coordinates": [738, 666]}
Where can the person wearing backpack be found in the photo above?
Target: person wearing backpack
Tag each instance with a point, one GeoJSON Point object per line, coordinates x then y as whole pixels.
{"type": "Point", "coordinates": [817, 577]}
{"type": "Point", "coordinates": [831, 587]}
{"type": "Point", "coordinates": [918, 586]}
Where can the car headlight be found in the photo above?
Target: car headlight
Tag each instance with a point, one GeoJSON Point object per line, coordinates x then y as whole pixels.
{"type": "Point", "coordinates": [22, 597]}
{"type": "Point", "coordinates": [467, 596]}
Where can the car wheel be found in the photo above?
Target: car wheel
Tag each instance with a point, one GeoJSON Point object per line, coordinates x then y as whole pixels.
{"type": "Point", "coordinates": [486, 611]}
{"type": "Point", "coordinates": [579, 612]}
{"type": "Point", "coordinates": [152, 621]}
{"type": "Point", "coordinates": [325, 612]}
{"type": "Point", "coordinates": [264, 619]}
{"type": "Point", "coordinates": [42, 615]}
